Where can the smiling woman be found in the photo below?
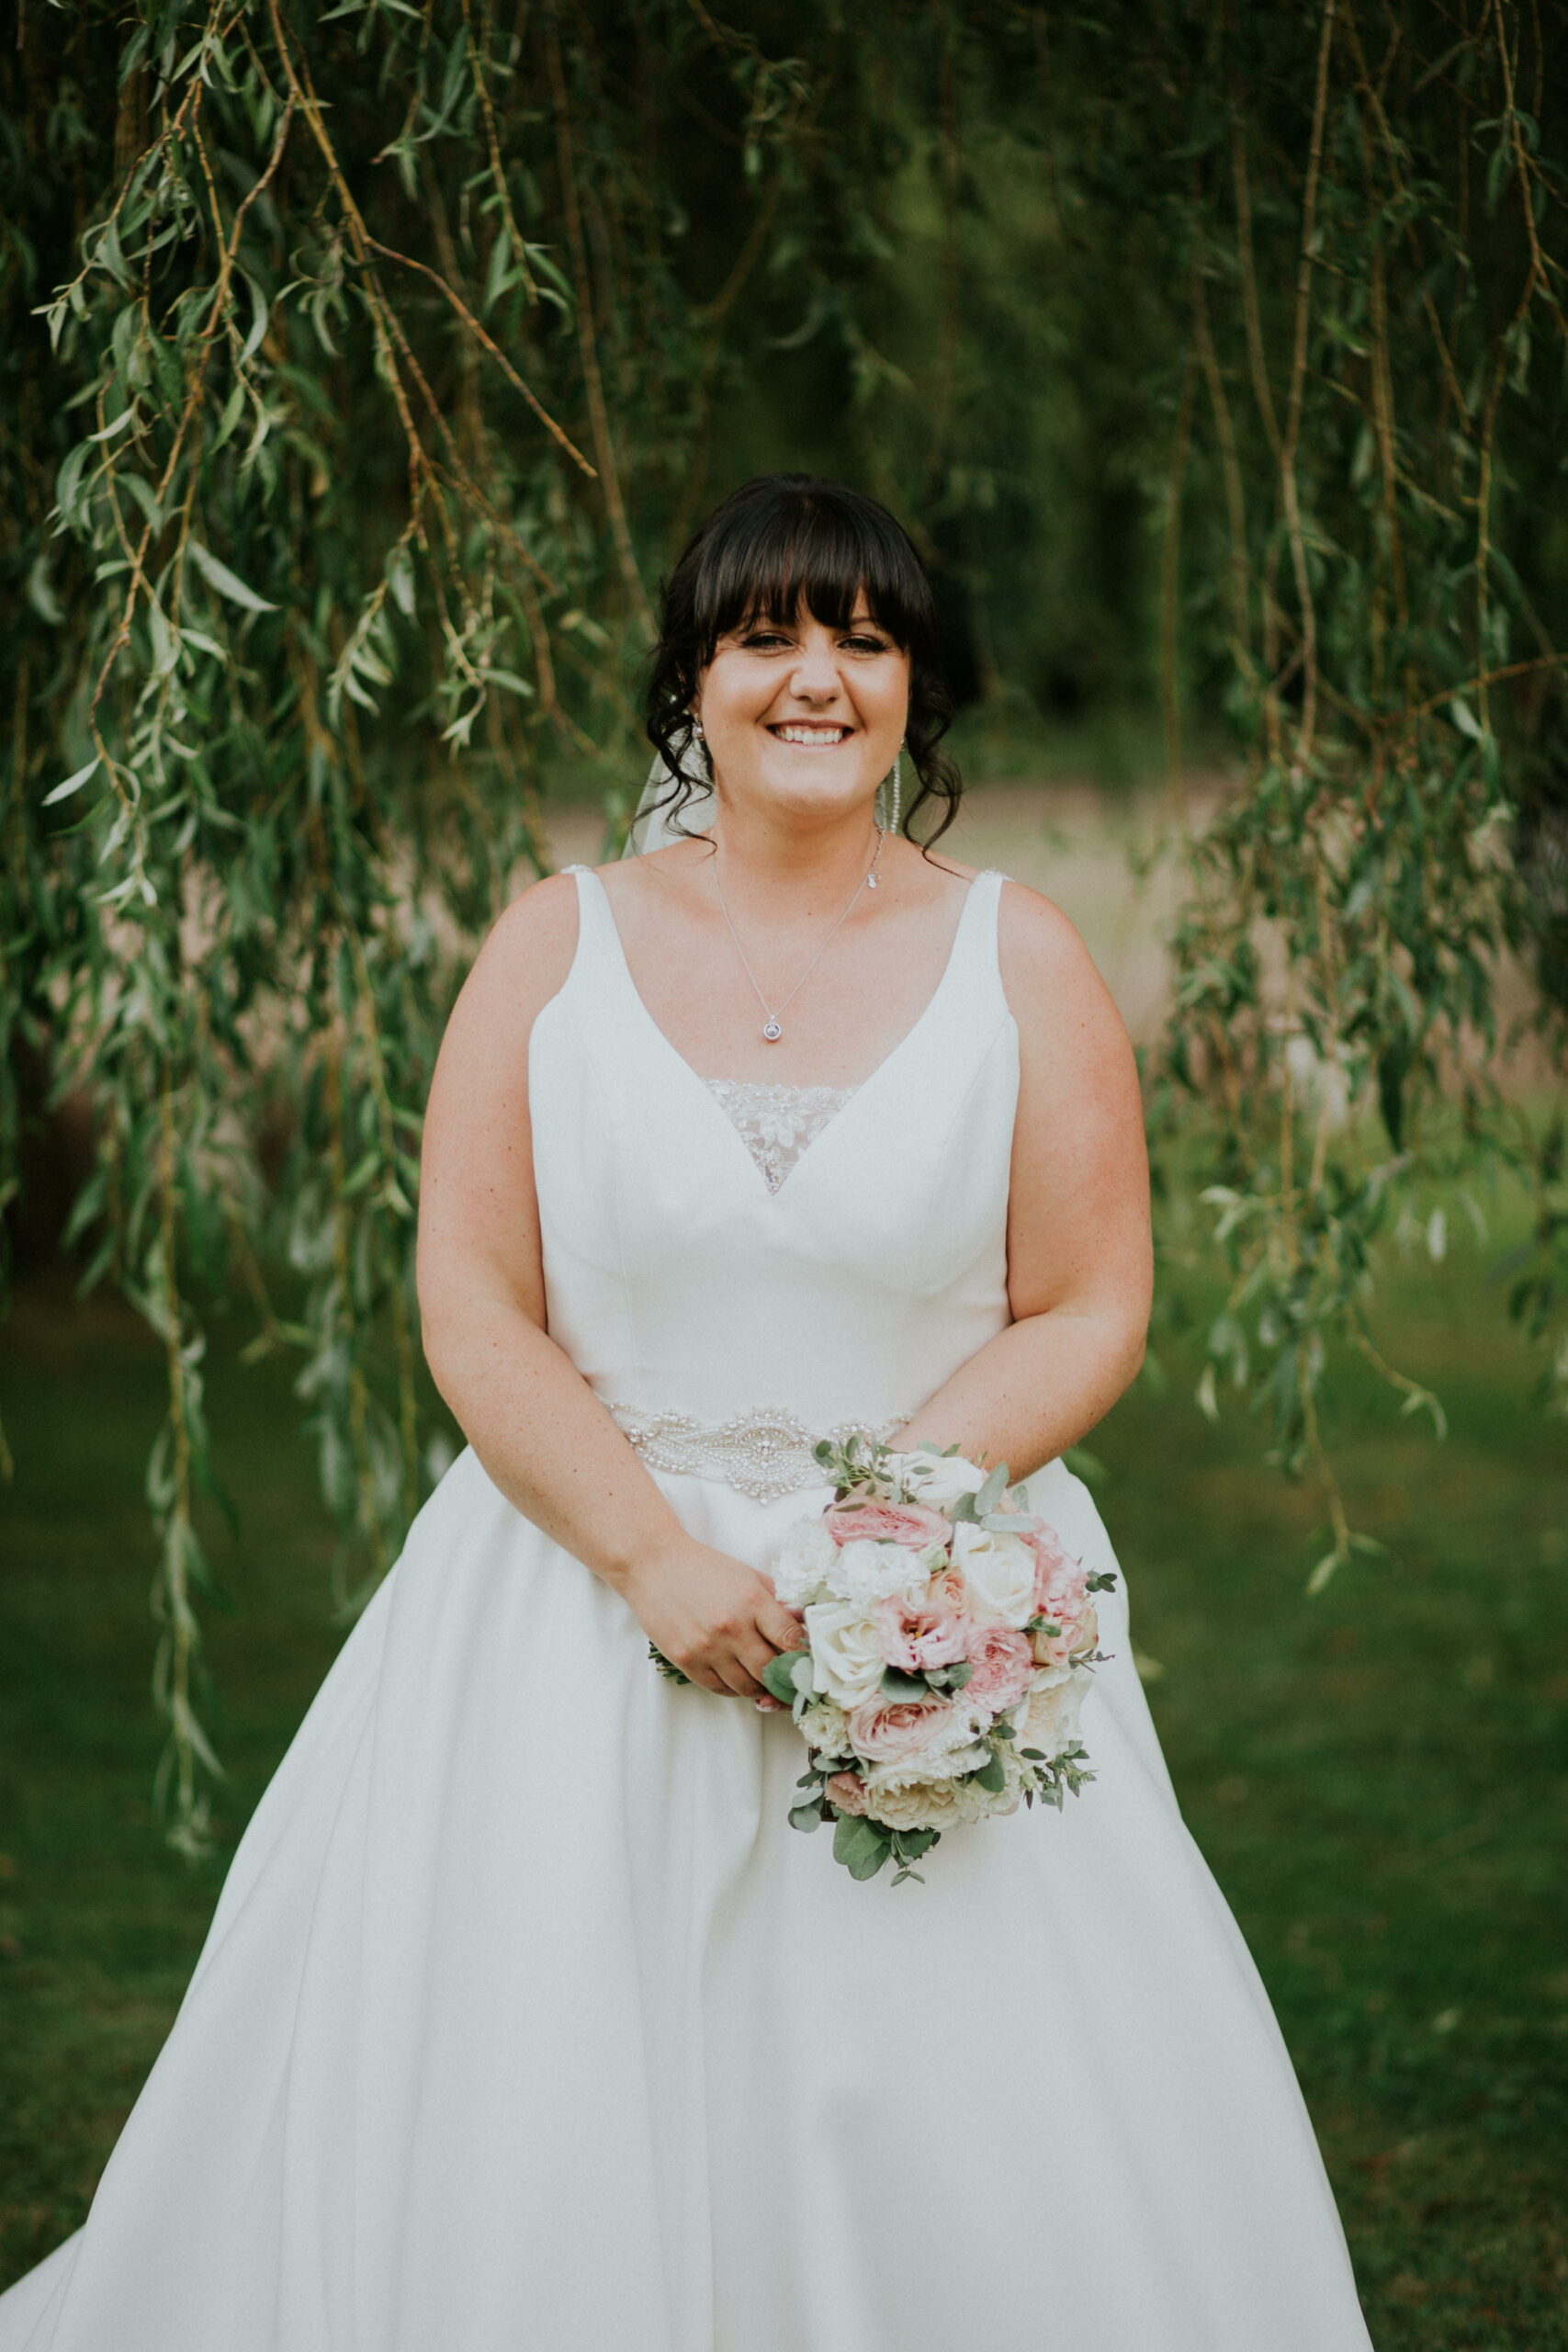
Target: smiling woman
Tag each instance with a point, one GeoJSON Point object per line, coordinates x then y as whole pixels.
{"type": "Point", "coordinates": [474, 2052]}
{"type": "Point", "coordinates": [783, 553]}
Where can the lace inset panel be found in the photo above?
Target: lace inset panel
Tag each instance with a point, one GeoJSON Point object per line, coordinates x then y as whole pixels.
{"type": "Point", "coordinates": [776, 1123]}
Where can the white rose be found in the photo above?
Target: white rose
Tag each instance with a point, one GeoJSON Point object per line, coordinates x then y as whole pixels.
{"type": "Point", "coordinates": [999, 1571]}
{"type": "Point", "coordinates": [800, 1572]}
{"type": "Point", "coordinates": [844, 1650]}
{"type": "Point", "coordinates": [936, 1804]}
{"type": "Point", "coordinates": [825, 1728]}
{"type": "Point", "coordinates": [1052, 1722]}
{"type": "Point", "coordinates": [936, 1479]}
{"type": "Point", "coordinates": [923, 1804]}
{"type": "Point", "coordinates": [865, 1573]}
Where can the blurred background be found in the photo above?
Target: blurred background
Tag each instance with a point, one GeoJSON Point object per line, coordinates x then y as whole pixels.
{"type": "Point", "coordinates": [361, 374]}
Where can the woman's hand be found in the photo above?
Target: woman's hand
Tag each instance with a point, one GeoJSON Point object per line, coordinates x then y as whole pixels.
{"type": "Point", "coordinates": [719, 1621]}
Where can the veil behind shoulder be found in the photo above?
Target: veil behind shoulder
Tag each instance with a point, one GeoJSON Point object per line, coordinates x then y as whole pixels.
{"type": "Point", "coordinates": [648, 829]}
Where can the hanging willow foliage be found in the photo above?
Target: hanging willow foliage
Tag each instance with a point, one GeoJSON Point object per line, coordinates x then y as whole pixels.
{"type": "Point", "coordinates": [363, 367]}
{"type": "Point", "coordinates": [1372, 395]}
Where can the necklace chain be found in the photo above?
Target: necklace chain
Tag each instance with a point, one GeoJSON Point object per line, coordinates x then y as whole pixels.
{"type": "Point", "coordinates": [772, 1029]}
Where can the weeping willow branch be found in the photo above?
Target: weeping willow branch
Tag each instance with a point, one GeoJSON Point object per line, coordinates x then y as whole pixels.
{"type": "Point", "coordinates": [334, 484]}
{"type": "Point", "coordinates": [587, 340]}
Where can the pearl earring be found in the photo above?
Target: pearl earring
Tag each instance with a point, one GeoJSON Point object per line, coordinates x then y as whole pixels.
{"type": "Point", "coordinates": [893, 784]}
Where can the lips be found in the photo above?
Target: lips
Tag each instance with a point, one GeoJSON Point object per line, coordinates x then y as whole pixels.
{"type": "Point", "coordinates": [810, 739]}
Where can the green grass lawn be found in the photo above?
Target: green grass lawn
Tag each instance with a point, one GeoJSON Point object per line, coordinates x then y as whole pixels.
{"type": "Point", "coordinates": [1378, 1777]}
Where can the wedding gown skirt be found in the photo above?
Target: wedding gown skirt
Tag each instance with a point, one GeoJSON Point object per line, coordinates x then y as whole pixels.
{"type": "Point", "coordinates": [527, 2024]}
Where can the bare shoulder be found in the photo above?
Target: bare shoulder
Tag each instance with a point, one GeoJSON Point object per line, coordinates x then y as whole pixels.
{"type": "Point", "coordinates": [1066, 1017]}
{"type": "Point", "coordinates": [523, 962]}
{"type": "Point", "coordinates": [1042, 949]}
{"type": "Point", "coordinates": [535, 939]}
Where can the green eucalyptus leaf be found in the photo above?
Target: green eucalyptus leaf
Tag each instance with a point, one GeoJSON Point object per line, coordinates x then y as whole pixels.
{"type": "Point", "coordinates": [778, 1678]}
{"type": "Point", "coordinates": [861, 1845]}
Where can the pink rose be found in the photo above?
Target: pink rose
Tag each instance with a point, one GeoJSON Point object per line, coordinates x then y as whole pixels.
{"type": "Point", "coordinates": [948, 1591]}
{"type": "Point", "coordinates": [888, 1730]}
{"type": "Point", "coordinates": [1053, 1562]}
{"type": "Point", "coordinates": [1061, 1595]}
{"type": "Point", "coordinates": [913, 1634]}
{"type": "Point", "coordinates": [1004, 1668]}
{"type": "Point", "coordinates": [846, 1791]}
{"type": "Point", "coordinates": [1077, 1635]}
{"type": "Point", "coordinates": [909, 1523]}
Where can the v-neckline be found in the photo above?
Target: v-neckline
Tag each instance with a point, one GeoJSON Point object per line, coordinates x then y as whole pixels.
{"type": "Point", "coordinates": [857, 1093]}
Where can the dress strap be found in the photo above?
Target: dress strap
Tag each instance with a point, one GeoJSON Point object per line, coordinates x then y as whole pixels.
{"type": "Point", "coordinates": [975, 961]}
{"type": "Point", "coordinates": [597, 937]}
{"type": "Point", "coordinates": [598, 968]}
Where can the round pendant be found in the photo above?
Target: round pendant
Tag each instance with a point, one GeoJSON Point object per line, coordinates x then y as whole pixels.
{"type": "Point", "coordinates": [772, 1032]}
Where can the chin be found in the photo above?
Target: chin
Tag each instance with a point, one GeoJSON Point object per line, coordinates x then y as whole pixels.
{"type": "Point", "coordinates": [819, 784]}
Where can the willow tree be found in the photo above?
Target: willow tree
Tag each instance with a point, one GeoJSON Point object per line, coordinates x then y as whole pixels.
{"type": "Point", "coordinates": [363, 367]}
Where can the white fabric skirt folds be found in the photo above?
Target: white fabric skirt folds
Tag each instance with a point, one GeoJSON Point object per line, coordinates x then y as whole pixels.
{"type": "Point", "coordinates": [527, 2020]}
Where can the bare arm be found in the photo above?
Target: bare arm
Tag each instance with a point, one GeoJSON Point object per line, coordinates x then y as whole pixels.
{"type": "Point", "coordinates": [1079, 1262]}
{"type": "Point", "coordinates": [541, 1433]}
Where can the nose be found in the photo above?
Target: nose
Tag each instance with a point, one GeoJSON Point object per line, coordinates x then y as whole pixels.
{"type": "Point", "coordinates": [814, 677]}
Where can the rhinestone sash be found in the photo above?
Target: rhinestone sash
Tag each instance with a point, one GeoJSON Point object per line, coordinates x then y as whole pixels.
{"type": "Point", "coordinates": [764, 1452]}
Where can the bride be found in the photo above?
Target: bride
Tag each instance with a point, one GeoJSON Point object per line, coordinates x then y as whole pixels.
{"type": "Point", "coordinates": [526, 2020]}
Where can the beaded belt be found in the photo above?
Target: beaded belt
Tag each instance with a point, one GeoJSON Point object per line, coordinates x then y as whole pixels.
{"type": "Point", "coordinates": [763, 1453]}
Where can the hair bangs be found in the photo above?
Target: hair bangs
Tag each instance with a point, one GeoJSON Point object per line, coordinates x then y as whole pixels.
{"type": "Point", "coordinates": [801, 542]}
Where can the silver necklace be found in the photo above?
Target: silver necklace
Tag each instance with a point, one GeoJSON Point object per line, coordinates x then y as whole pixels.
{"type": "Point", "coordinates": [772, 1028]}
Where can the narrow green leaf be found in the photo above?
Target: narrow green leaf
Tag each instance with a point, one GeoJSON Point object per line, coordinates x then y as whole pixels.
{"type": "Point", "coordinates": [72, 784]}
{"type": "Point", "coordinates": [226, 583]}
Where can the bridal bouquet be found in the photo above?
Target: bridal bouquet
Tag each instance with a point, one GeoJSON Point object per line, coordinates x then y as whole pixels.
{"type": "Point", "coordinates": [949, 1642]}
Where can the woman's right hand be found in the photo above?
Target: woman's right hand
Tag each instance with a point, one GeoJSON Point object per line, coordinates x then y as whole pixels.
{"type": "Point", "coordinates": [712, 1616]}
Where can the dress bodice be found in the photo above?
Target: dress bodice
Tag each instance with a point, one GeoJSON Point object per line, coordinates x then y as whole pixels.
{"type": "Point", "coordinates": [681, 1284]}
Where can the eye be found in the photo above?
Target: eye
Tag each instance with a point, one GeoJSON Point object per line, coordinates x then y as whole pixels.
{"type": "Point", "coordinates": [764, 641]}
{"type": "Point", "coordinates": [862, 641]}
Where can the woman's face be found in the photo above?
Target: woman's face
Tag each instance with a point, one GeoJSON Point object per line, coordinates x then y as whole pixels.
{"type": "Point", "coordinates": [803, 716]}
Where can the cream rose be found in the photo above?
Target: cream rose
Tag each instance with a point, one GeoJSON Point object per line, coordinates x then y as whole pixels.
{"type": "Point", "coordinates": [998, 1575]}
{"type": "Point", "coordinates": [825, 1728]}
{"type": "Point", "coordinates": [932, 1805]}
{"type": "Point", "coordinates": [937, 1480]}
{"type": "Point", "coordinates": [935, 1805]}
{"type": "Point", "coordinates": [800, 1572]}
{"type": "Point", "coordinates": [1051, 1723]}
{"type": "Point", "coordinates": [845, 1650]}
{"type": "Point", "coordinates": [863, 1573]}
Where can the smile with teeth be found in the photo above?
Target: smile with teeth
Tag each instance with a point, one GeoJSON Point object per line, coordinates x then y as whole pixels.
{"type": "Point", "coordinates": [815, 738]}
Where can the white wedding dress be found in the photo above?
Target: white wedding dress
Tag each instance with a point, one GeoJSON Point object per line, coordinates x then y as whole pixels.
{"type": "Point", "coordinates": [527, 2024]}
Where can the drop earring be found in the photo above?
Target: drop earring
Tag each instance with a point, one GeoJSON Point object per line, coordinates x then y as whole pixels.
{"type": "Point", "coordinates": [893, 783]}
